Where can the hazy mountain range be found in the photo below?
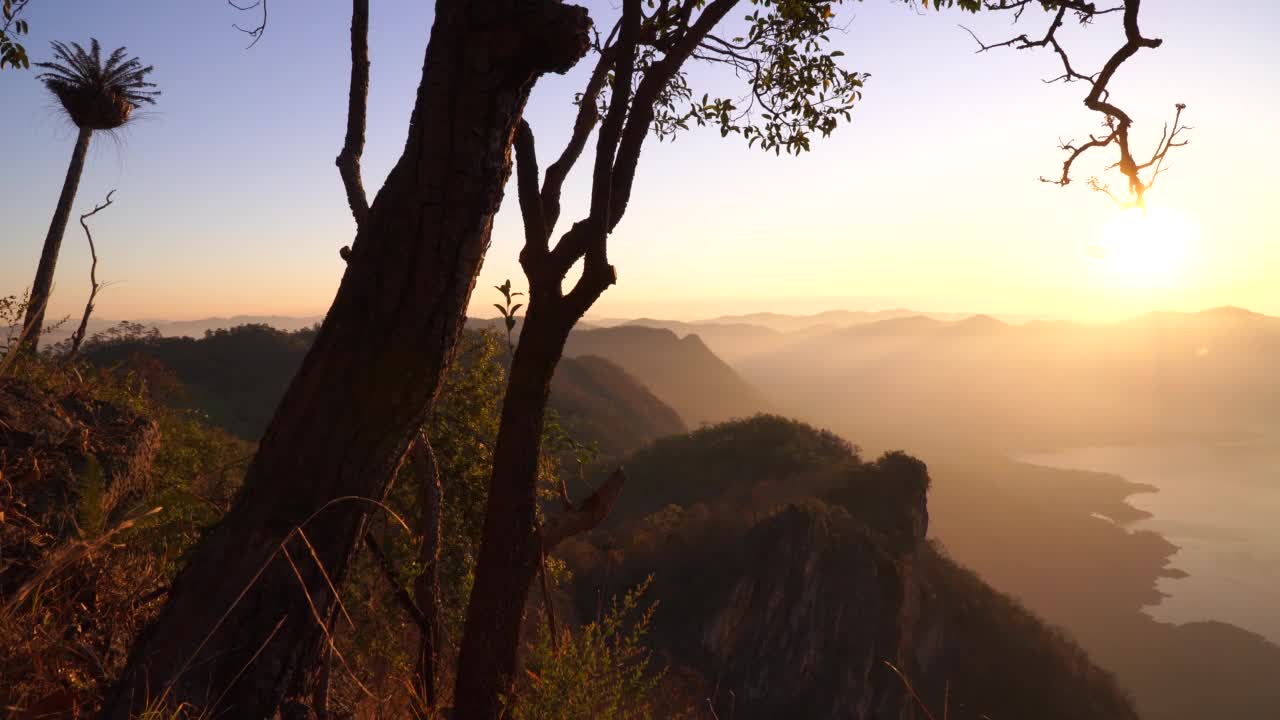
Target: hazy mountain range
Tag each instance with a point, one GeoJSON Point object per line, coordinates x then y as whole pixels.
{"type": "Point", "coordinates": [960, 393]}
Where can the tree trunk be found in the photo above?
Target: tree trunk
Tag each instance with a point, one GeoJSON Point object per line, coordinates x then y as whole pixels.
{"type": "Point", "coordinates": [243, 616]}
{"type": "Point", "coordinates": [509, 550]}
{"type": "Point", "coordinates": [43, 283]}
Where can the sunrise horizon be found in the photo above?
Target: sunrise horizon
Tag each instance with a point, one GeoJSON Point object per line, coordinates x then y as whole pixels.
{"type": "Point", "coordinates": [639, 359]}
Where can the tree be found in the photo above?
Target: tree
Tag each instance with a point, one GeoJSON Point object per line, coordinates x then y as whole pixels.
{"type": "Point", "coordinates": [243, 624]}
{"type": "Point", "coordinates": [795, 89]}
{"type": "Point", "coordinates": [95, 96]}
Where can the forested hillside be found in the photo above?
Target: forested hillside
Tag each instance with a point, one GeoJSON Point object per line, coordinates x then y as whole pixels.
{"type": "Point", "coordinates": [237, 376]}
{"type": "Point", "coordinates": [788, 570]}
{"type": "Point", "coordinates": [683, 371]}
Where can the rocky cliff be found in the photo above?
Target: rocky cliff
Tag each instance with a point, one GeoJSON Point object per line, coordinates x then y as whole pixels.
{"type": "Point", "coordinates": [833, 605]}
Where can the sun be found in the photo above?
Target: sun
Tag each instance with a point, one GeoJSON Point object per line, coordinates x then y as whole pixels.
{"type": "Point", "coordinates": [1145, 247]}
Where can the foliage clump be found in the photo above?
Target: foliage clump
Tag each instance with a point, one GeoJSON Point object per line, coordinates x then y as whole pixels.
{"type": "Point", "coordinates": [603, 671]}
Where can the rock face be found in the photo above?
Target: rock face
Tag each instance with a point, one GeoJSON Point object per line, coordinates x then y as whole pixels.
{"type": "Point", "coordinates": [823, 604]}
{"type": "Point", "coordinates": [797, 637]}
{"type": "Point", "coordinates": [70, 465]}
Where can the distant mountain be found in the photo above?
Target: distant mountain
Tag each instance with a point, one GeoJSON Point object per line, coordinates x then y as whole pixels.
{"type": "Point", "coordinates": [728, 340]}
{"type": "Point", "coordinates": [187, 328]}
{"type": "Point", "coordinates": [197, 328]}
{"type": "Point", "coordinates": [981, 380]}
{"type": "Point", "coordinates": [496, 324]}
{"type": "Point", "coordinates": [681, 371]}
{"type": "Point", "coordinates": [907, 325]}
{"type": "Point", "coordinates": [599, 401]}
{"type": "Point", "coordinates": [830, 319]}
{"type": "Point", "coordinates": [237, 377]}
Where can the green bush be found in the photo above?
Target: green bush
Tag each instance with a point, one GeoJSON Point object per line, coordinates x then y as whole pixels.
{"type": "Point", "coordinates": [603, 671]}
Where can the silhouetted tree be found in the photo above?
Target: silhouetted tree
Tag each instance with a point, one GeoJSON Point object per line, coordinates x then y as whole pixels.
{"type": "Point", "coordinates": [95, 96]}
{"type": "Point", "coordinates": [795, 89]}
{"type": "Point", "coordinates": [242, 626]}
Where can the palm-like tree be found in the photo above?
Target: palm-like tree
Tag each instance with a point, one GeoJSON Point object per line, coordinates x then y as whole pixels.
{"type": "Point", "coordinates": [95, 95]}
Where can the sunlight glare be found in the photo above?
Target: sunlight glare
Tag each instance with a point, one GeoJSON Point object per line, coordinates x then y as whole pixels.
{"type": "Point", "coordinates": [1149, 247]}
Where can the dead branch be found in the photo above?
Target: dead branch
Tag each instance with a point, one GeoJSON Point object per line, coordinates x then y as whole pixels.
{"type": "Point", "coordinates": [78, 336]}
{"type": "Point", "coordinates": [552, 632]}
{"type": "Point", "coordinates": [427, 586]}
{"type": "Point", "coordinates": [1116, 120]}
{"type": "Point", "coordinates": [348, 160]}
{"type": "Point", "coordinates": [393, 579]}
{"type": "Point", "coordinates": [256, 32]}
{"type": "Point", "coordinates": [584, 517]}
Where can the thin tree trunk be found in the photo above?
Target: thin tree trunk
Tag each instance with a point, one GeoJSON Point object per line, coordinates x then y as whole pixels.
{"type": "Point", "coordinates": [427, 587]}
{"type": "Point", "coordinates": [510, 549]}
{"type": "Point", "coordinates": [239, 624]}
{"type": "Point", "coordinates": [43, 283]}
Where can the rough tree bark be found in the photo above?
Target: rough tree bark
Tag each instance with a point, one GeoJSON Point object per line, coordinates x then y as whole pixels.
{"type": "Point", "coordinates": [239, 625]}
{"type": "Point", "coordinates": [43, 283]}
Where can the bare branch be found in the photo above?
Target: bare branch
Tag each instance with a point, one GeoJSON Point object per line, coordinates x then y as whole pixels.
{"type": "Point", "coordinates": [535, 227]}
{"type": "Point", "coordinates": [586, 516]}
{"type": "Point", "coordinates": [612, 126]}
{"type": "Point", "coordinates": [641, 117]}
{"type": "Point", "coordinates": [78, 336]}
{"type": "Point", "coordinates": [618, 150]}
{"type": "Point", "coordinates": [582, 127]}
{"type": "Point", "coordinates": [255, 33]}
{"type": "Point", "coordinates": [357, 110]}
{"type": "Point", "coordinates": [427, 586]}
{"type": "Point", "coordinates": [393, 579]}
{"type": "Point", "coordinates": [1118, 122]}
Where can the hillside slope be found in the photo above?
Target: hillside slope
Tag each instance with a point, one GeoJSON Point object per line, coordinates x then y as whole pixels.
{"type": "Point", "coordinates": [788, 570]}
{"type": "Point", "coordinates": [237, 377]}
{"type": "Point", "coordinates": [681, 371]}
{"type": "Point", "coordinates": [598, 400]}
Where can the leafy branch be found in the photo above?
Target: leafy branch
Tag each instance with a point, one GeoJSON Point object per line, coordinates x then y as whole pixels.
{"type": "Point", "coordinates": [12, 53]}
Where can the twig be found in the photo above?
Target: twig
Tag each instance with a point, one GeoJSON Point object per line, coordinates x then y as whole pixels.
{"type": "Point", "coordinates": [586, 516]}
{"type": "Point", "coordinates": [337, 596]}
{"type": "Point", "coordinates": [907, 684]}
{"type": "Point", "coordinates": [266, 641]}
{"type": "Point", "coordinates": [393, 579]}
{"type": "Point", "coordinates": [546, 600]}
{"type": "Point", "coordinates": [255, 33]}
{"type": "Point", "coordinates": [78, 336]}
{"type": "Point", "coordinates": [324, 628]}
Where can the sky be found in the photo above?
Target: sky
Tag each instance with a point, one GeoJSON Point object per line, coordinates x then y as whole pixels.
{"type": "Point", "coordinates": [228, 202]}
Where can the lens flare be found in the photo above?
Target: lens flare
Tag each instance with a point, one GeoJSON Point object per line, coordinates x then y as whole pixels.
{"type": "Point", "coordinates": [1145, 248]}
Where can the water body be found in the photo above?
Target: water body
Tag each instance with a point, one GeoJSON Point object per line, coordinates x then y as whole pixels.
{"type": "Point", "coordinates": [1220, 503]}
